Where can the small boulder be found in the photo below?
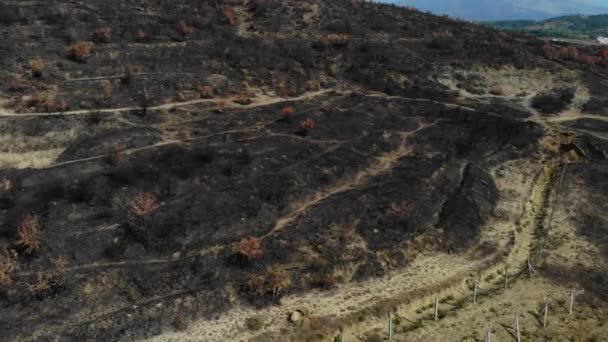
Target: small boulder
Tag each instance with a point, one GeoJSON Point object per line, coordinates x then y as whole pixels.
{"type": "Point", "coordinates": [295, 317]}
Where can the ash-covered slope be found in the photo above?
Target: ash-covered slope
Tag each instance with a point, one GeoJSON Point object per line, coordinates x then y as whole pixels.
{"type": "Point", "coordinates": [167, 161]}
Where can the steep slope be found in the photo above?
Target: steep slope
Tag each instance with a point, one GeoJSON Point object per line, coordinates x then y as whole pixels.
{"type": "Point", "coordinates": [167, 163]}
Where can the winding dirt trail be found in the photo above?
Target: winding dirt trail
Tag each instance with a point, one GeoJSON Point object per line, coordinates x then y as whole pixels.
{"type": "Point", "coordinates": [383, 164]}
{"type": "Point", "coordinates": [257, 102]}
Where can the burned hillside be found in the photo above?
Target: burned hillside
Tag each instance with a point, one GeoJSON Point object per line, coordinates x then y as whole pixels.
{"type": "Point", "coordinates": [165, 162]}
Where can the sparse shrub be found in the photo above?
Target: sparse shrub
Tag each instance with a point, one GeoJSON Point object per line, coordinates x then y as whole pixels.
{"type": "Point", "coordinates": [141, 36]}
{"type": "Point", "coordinates": [570, 52]}
{"type": "Point", "coordinates": [6, 185]}
{"type": "Point", "coordinates": [374, 338]}
{"type": "Point", "coordinates": [180, 322]}
{"type": "Point", "coordinates": [36, 66]}
{"type": "Point", "coordinates": [221, 106]}
{"type": "Point", "coordinates": [142, 205]}
{"type": "Point", "coordinates": [250, 248]}
{"type": "Point", "coordinates": [80, 51]}
{"type": "Point", "coordinates": [144, 101]}
{"type": "Point", "coordinates": [8, 264]}
{"type": "Point", "coordinates": [255, 323]}
{"type": "Point", "coordinates": [61, 265]}
{"type": "Point", "coordinates": [400, 209]}
{"type": "Point", "coordinates": [115, 156]}
{"type": "Point", "coordinates": [278, 279]}
{"type": "Point", "coordinates": [127, 76]}
{"type": "Point", "coordinates": [102, 35]}
{"type": "Point", "coordinates": [43, 100]}
{"type": "Point", "coordinates": [256, 284]}
{"type": "Point", "coordinates": [326, 282]}
{"type": "Point", "coordinates": [61, 105]}
{"type": "Point", "coordinates": [549, 51]}
{"type": "Point", "coordinates": [185, 136]}
{"type": "Point", "coordinates": [275, 280]}
{"type": "Point", "coordinates": [15, 82]}
{"type": "Point", "coordinates": [29, 233]}
{"type": "Point", "coordinates": [205, 92]}
{"type": "Point", "coordinates": [184, 29]}
{"type": "Point", "coordinates": [243, 100]}
{"type": "Point", "coordinates": [287, 113]}
{"type": "Point", "coordinates": [50, 282]}
{"type": "Point", "coordinates": [42, 284]}
{"type": "Point", "coordinates": [106, 88]}
{"type": "Point", "coordinates": [230, 15]}
{"type": "Point", "coordinates": [307, 125]}
{"type": "Point", "coordinates": [555, 143]}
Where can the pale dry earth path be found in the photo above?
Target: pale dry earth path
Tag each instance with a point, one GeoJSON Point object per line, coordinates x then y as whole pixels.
{"type": "Point", "coordinates": [258, 102]}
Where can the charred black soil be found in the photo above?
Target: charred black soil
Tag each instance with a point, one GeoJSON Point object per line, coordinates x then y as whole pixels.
{"type": "Point", "coordinates": [178, 158]}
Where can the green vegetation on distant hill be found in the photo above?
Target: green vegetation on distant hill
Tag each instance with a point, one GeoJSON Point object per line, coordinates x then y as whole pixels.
{"type": "Point", "coordinates": [574, 26]}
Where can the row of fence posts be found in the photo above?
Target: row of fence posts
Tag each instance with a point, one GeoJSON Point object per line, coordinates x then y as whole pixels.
{"type": "Point", "coordinates": [516, 327]}
{"type": "Point", "coordinates": [530, 270]}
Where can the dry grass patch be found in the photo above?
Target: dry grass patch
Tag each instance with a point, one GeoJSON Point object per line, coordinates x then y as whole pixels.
{"type": "Point", "coordinates": [8, 265]}
{"type": "Point", "coordinates": [80, 51]}
{"type": "Point", "coordinates": [36, 66]}
{"type": "Point", "coordinates": [29, 233]}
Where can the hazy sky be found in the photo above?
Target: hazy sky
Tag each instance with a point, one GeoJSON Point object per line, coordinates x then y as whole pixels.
{"type": "Point", "coordinates": [507, 9]}
{"type": "Point", "coordinates": [592, 2]}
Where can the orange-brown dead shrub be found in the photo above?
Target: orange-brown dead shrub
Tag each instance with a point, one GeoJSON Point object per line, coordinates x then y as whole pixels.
{"type": "Point", "coordinates": [142, 205]}
{"type": "Point", "coordinates": [230, 15]}
{"type": "Point", "coordinates": [80, 51]}
{"type": "Point", "coordinates": [549, 51]}
{"type": "Point", "coordinates": [205, 91]}
{"type": "Point", "coordinates": [29, 233]}
{"type": "Point", "coordinates": [103, 34]}
{"type": "Point", "coordinates": [36, 66]}
{"type": "Point", "coordinates": [184, 28]}
{"type": "Point", "coordinates": [287, 112]}
{"type": "Point", "coordinates": [307, 125]}
{"type": "Point", "coordinates": [250, 248]}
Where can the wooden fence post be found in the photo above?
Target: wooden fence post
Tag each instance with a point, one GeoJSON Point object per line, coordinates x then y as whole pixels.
{"type": "Point", "coordinates": [545, 313]}
{"type": "Point", "coordinates": [436, 314]}
{"type": "Point", "coordinates": [475, 292]}
{"type": "Point", "coordinates": [531, 269]}
{"type": "Point", "coordinates": [571, 303]}
{"type": "Point", "coordinates": [390, 327]}
{"type": "Point", "coordinates": [517, 329]}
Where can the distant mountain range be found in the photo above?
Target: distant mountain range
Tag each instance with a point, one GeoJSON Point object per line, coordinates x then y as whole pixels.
{"type": "Point", "coordinates": [573, 26]}
{"type": "Point", "coordinates": [492, 10]}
